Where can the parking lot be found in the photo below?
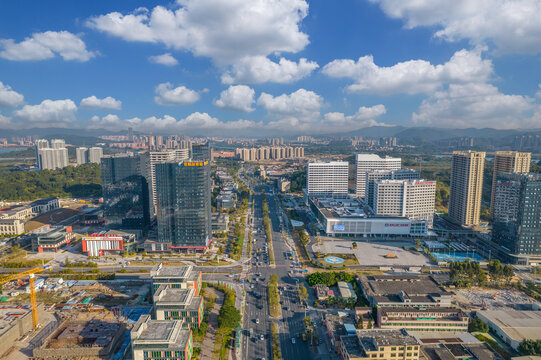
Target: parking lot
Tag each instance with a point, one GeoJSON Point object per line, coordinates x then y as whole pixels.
{"type": "Point", "coordinates": [374, 253]}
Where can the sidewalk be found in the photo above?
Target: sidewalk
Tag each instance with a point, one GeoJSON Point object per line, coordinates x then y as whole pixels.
{"type": "Point", "coordinates": [210, 337]}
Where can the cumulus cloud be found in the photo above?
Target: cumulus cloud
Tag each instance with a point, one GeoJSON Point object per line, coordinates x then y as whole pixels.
{"type": "Point", "coordinates": [410, 77]}
{"type": "Point", "coordinates": [222, 30]}
{"type": "Point", "coordinates": [108, 103]}
{"type": "Point", "coordinates": [299, 103]}
{"type": "Point", "coordinates": [538, 93]}
{"type": "Point", "coordinates": [5, 122]}
{"type": "Point", "coordinates": [8, 97]}
{"type": "Point", "coordinates": [165, 59]}
{"type": "Point", "coordinates": [46, 45]}
{"type": "Point", "coordinates": [512, 25]}
{"type": "Point", "coordinates": [112, 122]}
{"type": "Point", "coordinates": [166, 94]}
{"type": "Point", "coordinates": [237, 98]}
{"type": "Point", "coordinates": [476, 105]}
{"type": "Point", "coordinates": [260, 69]}
{"type": "Point", "coordinates": [48, 112]}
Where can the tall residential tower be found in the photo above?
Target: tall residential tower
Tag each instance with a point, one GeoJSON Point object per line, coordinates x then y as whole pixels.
{"type": "Point", "coordinates": [466, 187]}
{"type": "Point", "coordinates": [368, 162]}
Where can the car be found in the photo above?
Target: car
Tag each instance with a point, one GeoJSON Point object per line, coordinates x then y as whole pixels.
{"type": "Point", "coordinates": [257, 321]}
{"type": "Point", "coordinates": [261, 337]}
{"type": "Point", "coordinates": [293, 340]}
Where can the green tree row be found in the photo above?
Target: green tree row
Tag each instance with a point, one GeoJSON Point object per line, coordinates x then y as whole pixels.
{"type": "Point", "coordinates": [328, 278]}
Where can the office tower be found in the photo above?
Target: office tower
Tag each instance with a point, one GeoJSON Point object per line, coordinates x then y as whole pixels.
{"type": "Point", "coordinates": [327, 179]}
{"type": "Point", "coordinates": [130, 134]}
{"type": "Point", "coordinates": [413, 199]}
{"type": "Point", "coordinates": [201, 151]}
{"type": "Point", "coordinates": [156, 157]}
{"type": "Point", "coordinates": [81, 153]}
{"type": "Point", "coordinates": [508, 162]}
{"type": "Point", "coordinates": [95, 154]}
{"type": "Point", "coordinates": [466, 187]}
{"type": "Point", "coordinates": [367, 162]}
{"type": "Point", "coordinates": [373, 175]}
{"type": "Point", "coordinates": [517, 216]}
{"type": "Point", "coordinates": [40, 144]}
{"type": "Point", "coordinates": [184, 213]}
{"type": "Point", "coordinates": [126, 190]}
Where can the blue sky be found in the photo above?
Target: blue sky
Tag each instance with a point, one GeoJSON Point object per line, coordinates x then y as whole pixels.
{"type": "Point", "coordinates": [237, 67]}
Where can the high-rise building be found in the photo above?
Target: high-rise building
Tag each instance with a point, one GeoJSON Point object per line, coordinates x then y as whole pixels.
{"type": "Point", "coordinates": [95, 154]}
{"type": "Point", "coordinates": [508, 162]}
{"type": "Point", "coordinates": [157, 157]}
{"type": "Point", "coordinates": [201, 151]}
{"type": "Point", "coordinates": [130, 134]}
{"type": "Point", "coordinates": [517, 216]}
{"type": "Point", "coordinates": [81, 153]}
{"type": "Point", "coordinates": [126, 190]}
{"type": "Point", "coordinates": [413, 199]}
{"type": "Point", "coordinates": [373, 175]}
{"type": "Point", "coordinates": [466, 187]}
{"type": "Point", "coordinates": [183, 210]}
{"type": "Point", "coordinates": [40, 144]}
{"type": "Point", "coordinates": [50, 158]}
{"type": "Point", "coordinates": [367, 162]}
{"type": "Point", "coordinates": [327, 179]}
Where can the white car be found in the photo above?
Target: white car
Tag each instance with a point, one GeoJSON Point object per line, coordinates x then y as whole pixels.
{"type": "Point", "coordinates": [293, 340]}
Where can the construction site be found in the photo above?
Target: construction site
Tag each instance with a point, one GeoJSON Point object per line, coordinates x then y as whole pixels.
{"type": "Point", "coordinates": [476, 298]}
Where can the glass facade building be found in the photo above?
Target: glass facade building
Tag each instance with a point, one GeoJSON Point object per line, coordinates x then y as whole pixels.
{"type": "Point", "coordinates": [201, 151]}
{"type": "Point", "coordinates": [126, 191]}
{"type": "Point", "coordinates": [183, 197]}
{"type": "Point", "coordinates": [517, 216]}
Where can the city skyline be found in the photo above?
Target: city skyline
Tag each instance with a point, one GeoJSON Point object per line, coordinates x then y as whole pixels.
{"type": "Point", "coordinates": [300, 71]}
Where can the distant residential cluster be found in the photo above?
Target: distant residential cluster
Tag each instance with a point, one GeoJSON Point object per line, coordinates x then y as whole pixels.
{"type": "Point", "coordinates": [270, 153]}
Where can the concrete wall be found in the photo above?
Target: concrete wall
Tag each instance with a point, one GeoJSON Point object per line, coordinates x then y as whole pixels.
{"type": "Point", "coordinates": [17, 330]}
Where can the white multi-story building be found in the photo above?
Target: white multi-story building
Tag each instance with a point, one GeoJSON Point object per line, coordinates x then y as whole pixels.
{"type": "Point", "coordinates": [368, 162]}
{"type": "Point", "coordinates": [374, 175]}
{"type": "Point", "coordinates": [58, 144]}
{"type": "Point", "coordinates": [327, 179]}
{"type": "Point", "coordinates": [51, 159]}
{"type": "Point", "coordinates": [95, 154]}
{"type": "Point", "coordinates": [413, 199]}
{"type": "Point", "coordinates": [81, 153]}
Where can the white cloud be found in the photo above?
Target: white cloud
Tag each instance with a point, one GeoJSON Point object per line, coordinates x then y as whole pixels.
{"type": "Point", "coordinates": [167, 95]}
{"type": "Point", "coordinates": [165, 59]}
{"type": "Point", "coordinates": [5, 122]}
{"type": "Point", "coordinates": [222, 30]}
{"type": "Point", "coordinates": [109, 103]}
{"type": "Point", "coordinates": [538, 93]}
{"type": "Point", "coordinates": [237, 98]}
{"type": "Point", "coordinates": [299, 103]}
{"type": "Point", "coordinates": [475, 105]}
{"type": "Point", "coordinates": [8, 97]}
{"type": "Point", "coordinates": [46, 45]}
{"type": "Point", "coordinates": [112, 122]}
{"type": "Point", "coordinates": [259, 69]}
{"type": "Point", "coordinates": [410, 77]}
{"type": "Point", "coordinates": [49, 111]}
{"type": "Point", "coordinates": [512, 25]}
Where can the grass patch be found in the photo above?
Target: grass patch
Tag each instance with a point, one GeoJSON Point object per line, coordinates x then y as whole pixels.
{"type": "Point", "coordinates": [276, 353]}
{"type": "Point", "coordinates": [16, 259]}
{"type": "Point", "coordinates": [274, 297]}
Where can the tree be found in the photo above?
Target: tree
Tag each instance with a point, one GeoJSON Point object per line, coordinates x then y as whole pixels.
{"type": "Point", "coordinates": [228, 317]}
{"type": "Point", "coordinates": [360, 324]}
{"type": "Point", "coordinates": [530, 347]}
{"type": "Point", "coordinates": [417, 243]}
{"type": "Point", "coordinates": [477, 325]}
{"type": "Point", "coordinates": [303, 293]}
{"type": "Point", "coordinates": [354, 245]}
{"type": "Point", "coordinates": [508, 272]}
{"type": "Point", "coordinates": [369, 326]}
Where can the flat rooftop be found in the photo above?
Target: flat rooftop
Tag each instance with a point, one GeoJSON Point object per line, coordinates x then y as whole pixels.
{"type": "Point", "coordinates": [182, 272]}
{"type": "Point", "coordinates": [186, 297]}
{"type": "Point", "coordinates": [518, 325]}
{"type": "Point", "coordinates": [352, 345]}
{"type": "Point", "coordinates": [412, 285]}
{"type": "Point", "coordinates": [164, 333]}
{"type": "Point", "coordinates": [373, 339]}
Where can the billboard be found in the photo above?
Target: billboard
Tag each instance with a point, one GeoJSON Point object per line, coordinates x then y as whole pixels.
{"type": "Point", "coordinates": [339, 228]}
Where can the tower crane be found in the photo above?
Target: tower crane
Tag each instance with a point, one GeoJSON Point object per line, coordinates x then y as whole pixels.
{"type": "Point", "coordinates": [31, 274]}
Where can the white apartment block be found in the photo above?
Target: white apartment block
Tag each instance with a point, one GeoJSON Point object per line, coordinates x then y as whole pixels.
{"type": "Point", "coordinates": [368, 162]}
{"type": "Point", "coordinates": [95, 154]}
{"type": "Point", "coordinates": [81, 154]}
{"type": "Point", "coordinates": [327, 179]}
{"type": "Point", "coordinates": [374, 175]}
{"type": "Point", "coordinates": [413, 199]}
{"type": "Point", "coordinates": [51, 159]}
